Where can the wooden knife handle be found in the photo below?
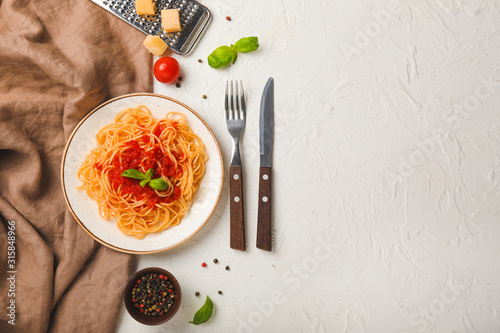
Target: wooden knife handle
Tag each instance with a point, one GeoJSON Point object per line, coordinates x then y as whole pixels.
{"type": "Point", "coordinates": [264, 239]}
{"type": "Point", "coordinates": [237, 221]}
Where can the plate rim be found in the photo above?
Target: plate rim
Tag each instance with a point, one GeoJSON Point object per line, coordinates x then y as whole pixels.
{"type": "Point", "coordinates": [70, 139]}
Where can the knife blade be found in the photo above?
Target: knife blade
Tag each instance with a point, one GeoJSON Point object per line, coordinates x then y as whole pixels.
{"type": "Point", "coordinates": [266, 133]}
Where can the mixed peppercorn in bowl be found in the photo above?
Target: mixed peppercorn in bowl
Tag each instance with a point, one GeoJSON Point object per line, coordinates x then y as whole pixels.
{"type": "Point", "coordinates": [152, 296]}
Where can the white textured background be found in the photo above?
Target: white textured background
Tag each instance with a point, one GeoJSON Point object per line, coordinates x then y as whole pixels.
{"type": "Point", "coordinates": [386, 194]}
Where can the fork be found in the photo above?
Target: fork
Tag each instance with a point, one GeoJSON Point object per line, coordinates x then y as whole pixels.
{"type": "Point", "coordinates": [234, 105]}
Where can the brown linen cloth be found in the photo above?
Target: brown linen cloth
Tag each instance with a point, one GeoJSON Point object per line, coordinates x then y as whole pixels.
{"type": "Point", "coordinates": [58, 60]}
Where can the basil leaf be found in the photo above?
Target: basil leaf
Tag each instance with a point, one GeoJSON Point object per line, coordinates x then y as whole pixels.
{"type": "Point", "coordinates": [158, 184]}
{"type": "Point", "coordinates": [204, 313]}
{"type": "Point", "coordinates": [133, 173]}
{"type": "Point", "coordinates": [222, 56]}
{"type": "Point", "coordinates": [149, 174]}
{"type": "Point", "coordinates": [144, 182]}
{"type": "Point", "coordinates": [247, 44]}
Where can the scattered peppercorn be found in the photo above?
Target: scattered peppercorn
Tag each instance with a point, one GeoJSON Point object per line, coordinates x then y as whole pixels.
{"type": "Point", "coordinates": [179, 78]}
{"type": "Point", "coordinates": [178, 85]}
{"type": "Point", "coordinates": [204, 96]}
{"type": "Point", "coordinates": [228, 18]}
{"type": "Point", "coordinates": [197, 294]}
{"type": "Point", "coordinates": [215, 260]}
{"type": "Point", "coordinates": [220, 292]}
{"type": "Point", "coordinates": [153, 294]}
{"type": "Point", "coordinates": [200, 61]}
{"type": "Point", "coordinates": [204, 265]}
{"type": "Point", "coordinates": [227, 268]}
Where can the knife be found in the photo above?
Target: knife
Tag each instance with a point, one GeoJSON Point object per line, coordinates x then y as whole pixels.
{"type": "Point", "coordinates": [266, 132]}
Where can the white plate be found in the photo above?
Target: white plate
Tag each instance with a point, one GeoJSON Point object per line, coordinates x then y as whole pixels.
{"type": "Point", "coordinates": [85, 211]}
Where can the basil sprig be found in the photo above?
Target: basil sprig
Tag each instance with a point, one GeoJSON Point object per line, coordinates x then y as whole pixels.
{"type": "Point", "coordinates": [204, 313]}
{"type": "Point", "coordinates": [147, 178]}
{"type": "Point", "coordinates": [224, 55]}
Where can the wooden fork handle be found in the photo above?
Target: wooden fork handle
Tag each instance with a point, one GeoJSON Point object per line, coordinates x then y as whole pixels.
{"type": "Point", "coordinates": [264, 239]}
{"type": "Point", "coordinates": [237, 221]}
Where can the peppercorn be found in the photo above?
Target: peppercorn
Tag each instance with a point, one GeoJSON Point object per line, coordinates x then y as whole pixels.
{"type": "Point", "coordinates": [204, 265]}
{"type": "Point", "coordinates": [216, 261]}
{"type": "Point", "coordinates": [228, 18]}
{"type": "Point", "coordinates": [220, 292]}
{"type": "Point", "coordinates": [197, 294]}
{"type": "Point", "coordinates": [178, 85]}
{"type": "Point", "coordinates": [204, 96]}
{"type": "Point", "coordinates": [227, 268]}
{"type": "Point", "coordinates": [200, 61]}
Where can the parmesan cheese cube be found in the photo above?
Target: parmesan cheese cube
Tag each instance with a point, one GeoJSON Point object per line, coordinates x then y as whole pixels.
{"type": "Point", "coordinates": [155, 45]}
{"type": "Point", "coordinates": [145, 7]}
{"type": "Point", "coordinates": [170, 21]}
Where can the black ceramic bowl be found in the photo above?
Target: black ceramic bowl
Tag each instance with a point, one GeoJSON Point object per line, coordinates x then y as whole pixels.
{"type": "Point", "coordinates": [135, 312]}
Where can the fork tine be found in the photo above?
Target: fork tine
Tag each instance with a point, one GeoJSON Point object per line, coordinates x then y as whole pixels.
{"type": "Point", "coordinates": [226, 101]}
{"type": "Point", "coordinates": [231, 109]}
{"type": "Point", "coordinates": [242, 102]}
{"type": "Point", "coordinates": [236, 97]}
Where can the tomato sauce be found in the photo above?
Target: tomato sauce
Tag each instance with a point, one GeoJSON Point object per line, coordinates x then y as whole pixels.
{"type": "Point", "coordinates": [135, 157]}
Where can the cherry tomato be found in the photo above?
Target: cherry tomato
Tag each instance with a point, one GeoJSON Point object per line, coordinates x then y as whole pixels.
{"type": "Point", "coordinates": [166, 70]}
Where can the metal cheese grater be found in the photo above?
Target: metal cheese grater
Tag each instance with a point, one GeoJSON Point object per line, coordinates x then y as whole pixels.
{"type": "Point", "coordinates": [194, 19]}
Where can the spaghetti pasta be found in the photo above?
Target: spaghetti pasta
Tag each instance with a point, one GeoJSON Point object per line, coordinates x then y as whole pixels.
{"type": "Point", "coordinates": [138, 141]}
